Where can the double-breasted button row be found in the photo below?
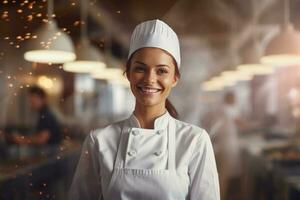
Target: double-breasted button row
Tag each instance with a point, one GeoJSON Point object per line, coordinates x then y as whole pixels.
{"type": "Point", "coordinates": [137, 132]}
{"type": "Point", "coordinates": [133, 153]}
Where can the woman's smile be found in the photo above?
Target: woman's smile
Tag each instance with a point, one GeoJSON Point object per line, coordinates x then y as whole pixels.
{"type": "Point", "coordinates": [148, 90]}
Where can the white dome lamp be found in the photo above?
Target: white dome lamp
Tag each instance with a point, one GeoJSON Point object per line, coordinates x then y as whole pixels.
{"type": "Point", "coordinates": [89, 58]}
{"type": "Point", "coordinates": [284, 48]}
{"type": "Point", "coordinates": [52, 45]}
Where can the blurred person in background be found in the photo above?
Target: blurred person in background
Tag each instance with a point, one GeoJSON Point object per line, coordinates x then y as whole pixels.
{"type": "Point", "coordinates": [47, 129]}
{"type": "Point", "coordinates": [226, 123]}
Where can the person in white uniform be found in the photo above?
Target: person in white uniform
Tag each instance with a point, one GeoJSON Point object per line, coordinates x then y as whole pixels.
{"type": "Point", "coordinates": [151, 155]}
{"type": "Point", "coordinates": [225, 138]}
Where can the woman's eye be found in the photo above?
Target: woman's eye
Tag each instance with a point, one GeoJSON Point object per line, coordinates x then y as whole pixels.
{"type": "Point", "coordinates": [139, 69]}
{"type": "Point", "coordinates": [162, 71]}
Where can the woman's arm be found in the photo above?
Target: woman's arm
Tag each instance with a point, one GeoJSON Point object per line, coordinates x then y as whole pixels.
{"type": "Point", "coordinates": [86, 183]}
{"type": "Point", "coordinates": [203, 171]}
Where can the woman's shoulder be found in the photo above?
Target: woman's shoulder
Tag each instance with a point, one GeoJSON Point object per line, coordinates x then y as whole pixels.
{"type": "Point", "coordinates": [110, 130]}
{"type": "Point", "coordinates": [190, 131]}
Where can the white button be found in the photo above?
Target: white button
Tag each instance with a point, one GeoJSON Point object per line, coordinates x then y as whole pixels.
{"type": "Point", "coordinates": [158, 153]}
{"type": "Point", "coordinates": [135, 132]}
{"type": "Point", "coordinates": [159, 132]}
{"type": "Point", "coordinates": [131, 153]}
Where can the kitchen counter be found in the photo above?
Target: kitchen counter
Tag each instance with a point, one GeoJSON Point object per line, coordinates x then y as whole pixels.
{"type": "Point", "coordinates": [21, 173]}
{"type": "Point", "coordinates": [267, 177]}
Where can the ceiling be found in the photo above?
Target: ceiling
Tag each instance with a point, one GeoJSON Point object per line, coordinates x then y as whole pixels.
{"type": "Point", "coordinates": [110, 22]}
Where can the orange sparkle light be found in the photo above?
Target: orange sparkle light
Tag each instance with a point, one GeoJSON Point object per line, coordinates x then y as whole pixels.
{"type": "Point", "coordinates": [4, 15]}
{"type": "Point", "coordinates": [29, 18]}
{"type": "Point", "coordinates": [76, 23]}
{"type": "Point", "coordinates": [30, 6]}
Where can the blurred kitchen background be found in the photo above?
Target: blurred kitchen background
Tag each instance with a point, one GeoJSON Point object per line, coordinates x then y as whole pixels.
{"type": "Point", "coordinates": [248, 48]}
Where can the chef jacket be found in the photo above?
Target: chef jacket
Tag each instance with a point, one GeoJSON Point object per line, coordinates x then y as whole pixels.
{"type": "Point", "coordinates": [175, 160]}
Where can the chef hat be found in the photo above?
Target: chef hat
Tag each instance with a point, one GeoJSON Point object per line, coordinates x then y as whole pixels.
{"type": "Point", "coordinates": [155, 33]}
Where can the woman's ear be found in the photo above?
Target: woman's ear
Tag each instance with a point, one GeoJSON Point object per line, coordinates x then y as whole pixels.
{"type": "Point", "coordinates": [175, 81]}
{"type": "Point", "coordinates": [127, 70]}
{"type": "Point", "coordinates": [127, 74]}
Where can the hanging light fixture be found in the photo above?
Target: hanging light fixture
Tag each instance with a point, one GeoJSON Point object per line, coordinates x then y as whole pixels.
{"type": "Point", "coordinates": [109, 74]}
{"type": "Point", "coordinates": [52, 45]}
{"type": "Point", "coordinates": [284, 48]}
{"type": "Point", "coordinates": [252, 65]}
{"type": "Point", "coordinates": [229, 76]}
{"type": "Point", "coordinates": [89, 58]}
{"type": "Point", "coordinates": [214, 84]}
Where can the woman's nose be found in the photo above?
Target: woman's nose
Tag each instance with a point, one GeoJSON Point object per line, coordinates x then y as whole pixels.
{"type": "Point", "coordinates": [150, 77]}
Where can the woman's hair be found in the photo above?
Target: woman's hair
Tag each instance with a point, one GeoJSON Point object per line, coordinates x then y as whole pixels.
{"type": "Point", "coordinates": [169, 106]}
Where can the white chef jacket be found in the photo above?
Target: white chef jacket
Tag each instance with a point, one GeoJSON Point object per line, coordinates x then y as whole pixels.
{"type": "Point", "coordinates": [145, 150]}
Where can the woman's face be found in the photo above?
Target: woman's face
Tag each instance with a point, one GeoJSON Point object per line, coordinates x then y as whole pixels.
{"type": "Point", "coordinates": [151, 76]}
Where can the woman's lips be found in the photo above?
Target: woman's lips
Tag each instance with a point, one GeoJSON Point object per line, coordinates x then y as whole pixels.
{"type": "Point", "coordinates": [148, 90]}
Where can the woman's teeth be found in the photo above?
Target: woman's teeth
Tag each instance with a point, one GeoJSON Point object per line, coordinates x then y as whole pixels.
{"type": "Point", "coordinates": [148, 90]}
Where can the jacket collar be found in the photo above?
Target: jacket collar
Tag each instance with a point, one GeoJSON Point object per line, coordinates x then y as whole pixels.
{"type": "Point", "coordinates": [160, 123]}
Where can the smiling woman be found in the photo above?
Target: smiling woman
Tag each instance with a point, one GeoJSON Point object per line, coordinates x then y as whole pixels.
{"type": "Point", "coordinates": [150, 155]}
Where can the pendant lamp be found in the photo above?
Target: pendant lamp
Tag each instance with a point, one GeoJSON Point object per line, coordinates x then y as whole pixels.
{"type": "Point", "coordinates": [52, 45]}
{"type": "Point", "coordinates": [284, 48]}
{"type": "Point", "coordinates": [220, 82]}
{"type": "Point", "coordinates": [114, 75]}
{"type": "Point", "coordinates": [251, 64]}
{"type": "Point", "coordinates": [89, 58]}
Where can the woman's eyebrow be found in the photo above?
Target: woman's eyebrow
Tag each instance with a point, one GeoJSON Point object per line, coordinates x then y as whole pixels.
{"type": "Point", "coordinates": [159, 65]}
{"type": "Point", "coordinates": [139, 62]}
{"type": "Point", "coordinates": [163, 65]}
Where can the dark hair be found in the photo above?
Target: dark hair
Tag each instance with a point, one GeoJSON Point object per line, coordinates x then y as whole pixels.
{"type": "Point", "coordinates": [169, 106]}
{"type": "Point", "coordinates": [36, 90]}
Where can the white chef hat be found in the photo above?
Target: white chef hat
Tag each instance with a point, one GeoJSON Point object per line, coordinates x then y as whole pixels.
{"type": "Point", "coordinates": [155, 33]}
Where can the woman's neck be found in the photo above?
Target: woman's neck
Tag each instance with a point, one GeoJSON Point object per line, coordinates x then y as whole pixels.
{"type": "Point", "coordinates": [147, 115]}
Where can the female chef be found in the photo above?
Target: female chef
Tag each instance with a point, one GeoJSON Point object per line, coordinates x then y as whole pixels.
{"type": "Point", "coordinates": [150, 155]}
